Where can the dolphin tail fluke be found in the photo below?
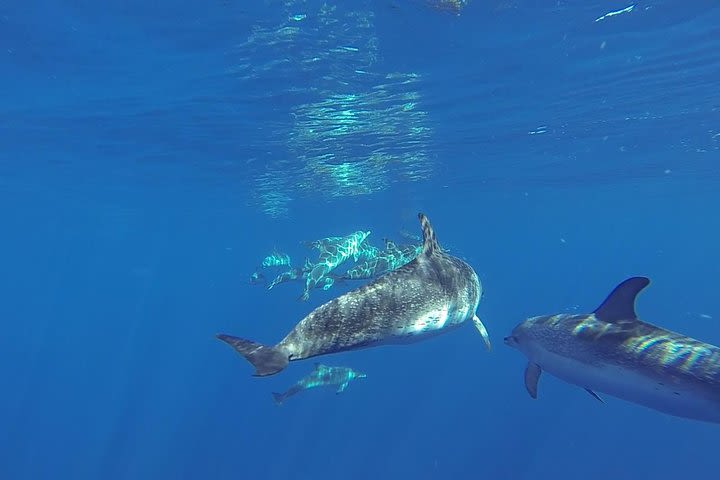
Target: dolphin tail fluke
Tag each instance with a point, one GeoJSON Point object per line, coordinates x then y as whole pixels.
{"type": "Point", "coordinates": [266, 360]}
{"type": "Point", "coordinates": [278, 398]}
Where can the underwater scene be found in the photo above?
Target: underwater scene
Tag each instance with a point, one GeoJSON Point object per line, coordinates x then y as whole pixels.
{"type": "Point", "coordinates": [387, 239]}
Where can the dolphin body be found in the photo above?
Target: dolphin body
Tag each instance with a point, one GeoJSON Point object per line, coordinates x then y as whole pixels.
{"type": "Point", "coordinates": [321, 376]}
{"type": "Point", "coordinates": [331, 256]}
{"type": "Point", "coordinates": [431, 295]}
{"type": "Point", "coordinates": [613, 352]}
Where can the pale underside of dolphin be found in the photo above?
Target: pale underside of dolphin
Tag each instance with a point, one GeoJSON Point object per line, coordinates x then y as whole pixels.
{"type": "Point", "coordinates": [430, 295]}
{"type": "Point", "coordinates": [611, 351]}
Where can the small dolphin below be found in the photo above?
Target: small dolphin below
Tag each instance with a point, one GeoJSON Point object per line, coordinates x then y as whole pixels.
{"type": "Point", "coordinates": [321, 376]}
{"type": "Point", "coordinates": [613, 352]}
{"type": "Point", "coordinates": [431, 295]}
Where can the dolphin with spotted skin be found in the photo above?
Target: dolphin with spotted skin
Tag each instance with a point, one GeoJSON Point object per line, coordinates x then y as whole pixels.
{"type": "Point", "coordinates": [333, 253]}
{"type": "Point", "coordinates": [383, 262]}
{"type": "Point", "coordinates": [433, 294]}
{"type": "Point", "coordinates": [321, 376]}
{"type": "Point", "coordinates": [612, 351]}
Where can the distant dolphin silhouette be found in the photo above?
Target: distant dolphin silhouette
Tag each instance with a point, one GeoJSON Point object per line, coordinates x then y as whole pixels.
{"type": "Point", "coordinates": [321, 376]}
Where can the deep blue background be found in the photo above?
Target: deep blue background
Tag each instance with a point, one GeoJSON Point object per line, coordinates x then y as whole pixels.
{"type": "Point", "coordinates": [137, 159]}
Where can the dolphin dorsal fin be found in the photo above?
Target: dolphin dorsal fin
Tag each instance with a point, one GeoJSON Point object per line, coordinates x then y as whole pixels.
{"type": "Point", "coordinates": [430, 244]}
{"type": "Point", "coordinates": [620, 304]}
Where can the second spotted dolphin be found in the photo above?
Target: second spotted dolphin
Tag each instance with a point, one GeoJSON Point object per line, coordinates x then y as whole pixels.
{"type": "Point", "coordinates": [612, 351]}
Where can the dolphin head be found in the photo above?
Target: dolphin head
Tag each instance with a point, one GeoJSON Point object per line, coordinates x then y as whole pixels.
{"type": "Point", "coordinates": [355, 374]}
{"type": "Point", "coordinates": [530, 332]}
{"type": "Point", "coordinates": [516, 336]}
{"type": "Point", "coordinates": [547, 332]}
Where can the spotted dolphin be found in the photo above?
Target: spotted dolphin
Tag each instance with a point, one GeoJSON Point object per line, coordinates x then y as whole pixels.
{"type": "Point", "coordinates": [431, 295]}
{"type": "Point", "coordinates": [296, 273]}
{"type": "Point", "coordinates": [321, 376]}
{"type": "Point", "coordinates": [611, 351]}
{"type": "Point", "coordinates": [383, 262]}
{"type": "Point", "coordinates": [331, 256]}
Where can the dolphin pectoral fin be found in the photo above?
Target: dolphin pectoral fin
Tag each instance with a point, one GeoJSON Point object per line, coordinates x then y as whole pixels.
{"type": "Point", "coordinates": [532, 375]}
{"type": "Point", "coordinates": [342, 387]}
{"type": "Point", "coordinates": [594, 395]}
{"type": "Point", "coordinates": [483, 331]}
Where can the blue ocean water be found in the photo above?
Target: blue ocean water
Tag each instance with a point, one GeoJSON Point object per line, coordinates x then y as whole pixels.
{"type": "Point", "coordinates": [154, 152]}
